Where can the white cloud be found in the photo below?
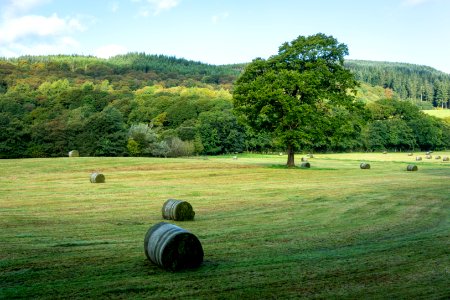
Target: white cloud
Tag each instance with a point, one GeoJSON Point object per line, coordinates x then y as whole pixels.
{"type": "Point", "coordinates": [414, 2]}
{"type": "Point", "coordinates": [110, 50]}
{"type": "Point", "coordinates": [114, 6]}
{"type": "Point", "coordinates": [155, 7]}
{"type": "Point", "coordinates": [219, 18]}
{"type": "Point", "coordinates": [61, 45]}
{"type": "Point", "coordinates": [14, 29]}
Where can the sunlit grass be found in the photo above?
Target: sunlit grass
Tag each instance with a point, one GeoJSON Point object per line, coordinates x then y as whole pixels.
{"type": "Point", "coordinates": [333, 230]}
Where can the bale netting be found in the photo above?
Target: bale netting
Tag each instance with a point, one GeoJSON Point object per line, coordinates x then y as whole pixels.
{"type": "Point", "coordinates": [177, 210]}
{"type": "Point", "coordinates": [97, 178]}
{"type": "Point", "coordinates": [364, 166]}
{"type": "Point", "coordinates": [172, 247]}
{"type": "Point", "coordinates": [411, 168]}
{"type": "Point", "coordinates": [74, 153]}
{"type": "Point", "coordinates": [445, 158]}
{"type": "Point", "coordinates": [305, 165]}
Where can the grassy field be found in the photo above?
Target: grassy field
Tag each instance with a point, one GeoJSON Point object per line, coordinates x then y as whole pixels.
{"type": "Point", "coordinates": [331, 231]}
{"type": "Point", "coordinates": [439, 113]}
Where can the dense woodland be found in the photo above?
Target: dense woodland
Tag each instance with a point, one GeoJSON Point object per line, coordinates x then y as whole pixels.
{"type": "Point", "coordinates": [153, 105]}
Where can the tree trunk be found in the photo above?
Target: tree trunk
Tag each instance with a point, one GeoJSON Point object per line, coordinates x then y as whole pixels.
{"type": "Point", "coordinates": [290, 161]}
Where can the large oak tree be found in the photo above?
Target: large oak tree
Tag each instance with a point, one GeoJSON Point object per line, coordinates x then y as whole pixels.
{"type": "Point", "coordinates": [293, 94]}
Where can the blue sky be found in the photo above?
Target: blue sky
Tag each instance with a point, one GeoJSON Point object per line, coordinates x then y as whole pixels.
{"type": "Point", "coordinates": [226, 31]}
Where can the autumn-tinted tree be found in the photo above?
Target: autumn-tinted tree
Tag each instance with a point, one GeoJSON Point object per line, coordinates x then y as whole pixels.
{"type": "Point", "coordinates": [292, 93]}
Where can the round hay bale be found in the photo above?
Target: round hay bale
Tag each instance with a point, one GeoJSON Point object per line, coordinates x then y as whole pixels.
{"type": "Point", "coordinates": [74, 153]}
{"type": "Point", "coordinates": [411, 168]}
{"type": "Point", "coordinates": [384, 152]}
{"type": "Point", "coordinates": [428, 153]}
{"type": "Point", "coordinates": [304, 159]}
{"type": "Point", "coordinates": [445, 158]}
{"type": "Point", "coordinates": [172, 247]}
{"type": "Point", "coordinates": [437, 157]}
{"type": "Point", "coordinates": [97, 178]}
{"type": "Point", "coordinates": [305, 165]}
{"type": "Point", "coordinates": [177, 210]}
{"type": "Point", "coordinates": [428, 156]}
{"type": "Point", "coordinates": [410, 154]}
{"type": "Point", "coordinates": [311, 155]}
{"type": "Point", "coordinates": [365, 166]}
{"type": "Point", "coordinates": [234, 157]}
{"type": "Point", "coordinates": [418, 158]}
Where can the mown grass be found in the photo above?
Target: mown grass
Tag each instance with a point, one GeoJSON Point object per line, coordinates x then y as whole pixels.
{"type": "Point", "coordinates": [439, 113]}
{"type": "Point", "coordinates": [331, 231]}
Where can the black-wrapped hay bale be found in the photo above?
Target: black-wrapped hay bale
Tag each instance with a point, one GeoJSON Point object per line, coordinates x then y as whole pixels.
{"type": "Point", "coordinates": [445, 158]}
{"type": "Point", "coordinates": [411, 168]}
{"type": "Point", "coordinates": [74, 153]}
{"type": "Point", "coordinates": [364, 166]}
{"type": "Point", "coordinates": [305, 165]}
{"type": "Point", "coordinates": [97, 178]}
{"type": "Point", "coordinates": [177, 210]}
{"type": "Point", "coordinates": [172, 247]}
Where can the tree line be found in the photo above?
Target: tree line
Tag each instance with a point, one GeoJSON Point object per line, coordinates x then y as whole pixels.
{"type": "Point", "coordinates": [126, 106]}
{"type": "Point", "coordinates": [422, 85]}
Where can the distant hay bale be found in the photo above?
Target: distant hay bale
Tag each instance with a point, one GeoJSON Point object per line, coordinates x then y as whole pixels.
{"type": "Point", "coordinates": [177, 210]}
{"type": "Point", "coordinates": [304, 159]}
{"type": "Point", "coordinates": [305, 165]}
{"type": "Point", "coordinates": [418, 158]}
{"type": "Point", "coordinates": [234, 157]}
{"type": "Point", "coordinates": [364, 166]}
{"type": "Point", "coordinates": [428, 152]}
{"type": "Point", "coordinates": [74, 153]}
{"type": "Point", "coordinates": [428, 156]}
{"type": "Point", "coordinates": [97, 178]}
{"type": "Point", "coordinates": [384, 152]}
{"type": "Point", "coordinates": [411, 168]}
{"type": "Point", "coordinates": [310, 155]}
{"type": "Point", "coordinates": [410, 154]}
{"type": "Point", "coordinates": [445, 158]}
{"type": "Point", "coordinates": [172, 247]}
{"type": "Point", "coordinates": [437, 157]}
{"type": "Point", "coordinates": [281, 153]}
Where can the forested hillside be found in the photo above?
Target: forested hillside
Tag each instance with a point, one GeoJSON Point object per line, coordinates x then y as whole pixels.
{"type": "Point", "coordinates": [410, 82]}
{"type": "Point", "coordinates": [149, 105]}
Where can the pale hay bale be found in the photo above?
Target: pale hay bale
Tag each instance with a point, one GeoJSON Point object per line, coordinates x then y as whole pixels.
{"type": "Point", "coordinates": [74, 153]}
{"type": "Point", "coordinates": [410, 154]}
{"type": "Point", "coordinates": [305, 165]}
{"type": "Point", "coordinates": [418, 158]}
{"type": "Point", "coordinates": [172, 247]}
{"type": "Point", "coordinates": [437, 157]}
{"type": "Point", "coordinates": [304, 159]}
{"type": "Point", "coordinates": [411, 168]}
{"type": "Point", "coordinates": [97, 178]}
{"type": "Point", "coordinates": [177, 210]}
{"type": "Point", "coordinates": [428, 156]}
{"type": "Point", "coordinates": [445, 158]}
{"type": "Point", "coordinates": [364, 166]}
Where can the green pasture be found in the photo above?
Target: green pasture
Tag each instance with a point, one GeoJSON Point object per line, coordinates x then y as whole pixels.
{"type": "Point", "coordinates": [439, 113]}
{"type": "Point", "coordinates": [331, 231]}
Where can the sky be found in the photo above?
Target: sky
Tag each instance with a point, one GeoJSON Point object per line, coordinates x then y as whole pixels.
{"type": "Point", "coordinates": [227, 31]}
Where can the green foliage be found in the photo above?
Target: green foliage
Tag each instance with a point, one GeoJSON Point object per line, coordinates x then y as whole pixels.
{"type": "Point", "coordinates": [408, 81]}
{"type": "Point", "coordinates": [292, 94]}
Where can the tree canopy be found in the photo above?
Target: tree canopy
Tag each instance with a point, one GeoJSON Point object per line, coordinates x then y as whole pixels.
{"type": "Point", "coordinates": [293, 95]}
